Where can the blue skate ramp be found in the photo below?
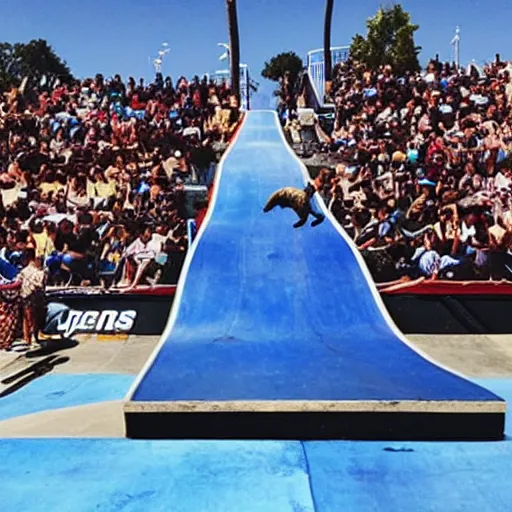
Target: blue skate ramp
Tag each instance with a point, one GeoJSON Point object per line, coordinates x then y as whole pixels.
{"type": "Point", "coordinates": [279, 332]}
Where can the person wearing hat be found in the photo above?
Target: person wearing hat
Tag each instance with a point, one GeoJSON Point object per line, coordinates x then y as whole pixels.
{"type": "Point", "coordinates": [181, 170]}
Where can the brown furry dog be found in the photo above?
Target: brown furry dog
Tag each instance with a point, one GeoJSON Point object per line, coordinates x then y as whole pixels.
{"type": "Point", "coordinates": [298, 200]}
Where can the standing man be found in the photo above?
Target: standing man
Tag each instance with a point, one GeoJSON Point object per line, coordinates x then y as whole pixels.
{"type": "Point", "coordinates": [33, 283]}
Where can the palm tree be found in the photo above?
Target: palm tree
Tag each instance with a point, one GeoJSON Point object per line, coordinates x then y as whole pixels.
{"type": "Point", "coordinates": [234, 53]}
{"type": "Point", "coordinates": [329, 6]}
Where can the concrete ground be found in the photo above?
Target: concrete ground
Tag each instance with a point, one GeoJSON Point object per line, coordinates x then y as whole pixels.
{"type": "Point", "coordinates": [91, 355]}
{"type": "Point", "coordinates": [474, 356]}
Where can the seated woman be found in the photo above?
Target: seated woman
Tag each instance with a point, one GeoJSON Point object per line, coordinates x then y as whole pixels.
{"type": "Point", "coordinates": [49, 183]}
{"type": "Point", "coordinates": [76, 193]}
{"type": "Point", "coordinates": [100, 187]}
{"type": "Point", "coordinates": [73, 244]}
{"type": "Point", "coordinates": [430, 263]}
{"type": "Point", "coordinates": [58, 144]}
{"type": "Point", "coordinates": [140, 256]}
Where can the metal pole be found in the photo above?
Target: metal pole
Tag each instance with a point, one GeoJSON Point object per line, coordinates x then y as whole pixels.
{"type": "Point", "coordinates": [248, 89]}
{"type": "Point", "coordinates": [456, 47]}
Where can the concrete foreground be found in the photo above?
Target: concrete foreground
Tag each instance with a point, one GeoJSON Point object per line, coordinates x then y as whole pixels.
{"type": "Point", "coordinates": [85, 469]}
{"type": "Point", "coordinates": [480, 357]}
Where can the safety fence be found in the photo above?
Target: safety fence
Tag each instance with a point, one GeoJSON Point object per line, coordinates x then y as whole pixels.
{"type": "Point", "coordinates": [316, 67]}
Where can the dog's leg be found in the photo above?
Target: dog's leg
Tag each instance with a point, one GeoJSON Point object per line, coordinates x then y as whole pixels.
{"type": "Point", "coordinates": [319, 218]}
{"type": "Point", "coordinates": [301, 222]}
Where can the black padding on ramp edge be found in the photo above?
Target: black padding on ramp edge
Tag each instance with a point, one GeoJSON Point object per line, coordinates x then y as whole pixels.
{"type": "Point", "coordinates": [319, 426]}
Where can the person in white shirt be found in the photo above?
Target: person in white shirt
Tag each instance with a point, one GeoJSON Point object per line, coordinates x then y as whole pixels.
{"type": "Point", "coordinates": [145, 247]}
{"type": "Point", "coordinates": [139, 255]}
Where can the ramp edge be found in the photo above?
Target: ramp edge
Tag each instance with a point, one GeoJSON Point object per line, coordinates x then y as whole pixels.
{"type": "Point", "coordinates": [320, 406]}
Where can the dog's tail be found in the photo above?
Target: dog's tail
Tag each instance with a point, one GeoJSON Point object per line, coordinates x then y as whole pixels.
{"type": "Point", "coordinates": [273, 201]}
{"type": "Point", "coordinates": [282, 197]}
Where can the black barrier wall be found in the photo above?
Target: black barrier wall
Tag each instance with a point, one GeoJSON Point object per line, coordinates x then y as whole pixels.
{"type": "Point", "coordinates": [127, 314]}
{"type": "Point", "coordinates": [451, 314]}
{"type": "Point", "coordinates": [413, 314]}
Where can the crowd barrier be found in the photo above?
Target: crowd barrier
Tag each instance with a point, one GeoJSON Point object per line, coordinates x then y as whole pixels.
{"type": "Point", "coordinates": [441, 308]}
{"type": "Point", "coordinates": [425, 286]}
{"type": "Point", "coordinates": [419, 306]}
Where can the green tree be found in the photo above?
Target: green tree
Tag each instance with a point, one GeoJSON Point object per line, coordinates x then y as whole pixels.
{"type": "Point", "coordinates": [6, 63]}
{"type": "Point", "coordinates": [276, 68]}
{"type": "Point", "coordinates": [33, 60]}
{"type": "Point", "coordinates": [389, 41]}
{"type": "Point", "coordinates": [329, 6]}
{"type": "Point", "coordinates": [234, 42]}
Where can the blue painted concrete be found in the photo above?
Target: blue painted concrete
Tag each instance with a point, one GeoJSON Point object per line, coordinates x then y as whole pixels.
{"type": "Point", "coordinates": [270, 312]}
{"type": "Point", "coordinates": [115, 475]}
{"type": "Point", "coordinates": [365, 476]}
{"type": "Point", "coordinates": [63, 390]}
{"type": "Point", "coordinates": [417, 476]}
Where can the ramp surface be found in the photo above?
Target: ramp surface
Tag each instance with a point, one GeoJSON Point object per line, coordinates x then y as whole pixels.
{"type": "Point", "coordinates": [278, 332]}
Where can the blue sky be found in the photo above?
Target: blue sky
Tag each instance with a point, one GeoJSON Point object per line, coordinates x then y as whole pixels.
{"type": "Point", "coordinates": [110, 36]}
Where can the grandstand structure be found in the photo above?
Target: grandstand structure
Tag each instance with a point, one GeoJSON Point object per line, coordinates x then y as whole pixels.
{"type": "Point", "coordinates": [224, 75]}
{"type": "Point", "coordinates": [316, 68]}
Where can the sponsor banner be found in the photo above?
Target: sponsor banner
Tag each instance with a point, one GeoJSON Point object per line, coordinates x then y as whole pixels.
{"type": "Point", "coordinates": [144, 313]}
{"type": "Point", "coordinates": [96, 322]}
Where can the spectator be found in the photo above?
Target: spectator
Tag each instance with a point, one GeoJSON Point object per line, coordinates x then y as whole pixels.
{"type": "Point", "coordinates": [421, 173]}
{"type": "Point", "coordinates": [140, 254]}
{"type": "Point", "coordinates": [78, 159]}
{"type": "Point", "coordinates": [32, 279]}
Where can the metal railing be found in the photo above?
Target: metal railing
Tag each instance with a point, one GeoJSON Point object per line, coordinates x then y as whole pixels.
{"type": "Point", "coordinates": [316, 68]}
{"type": "Point", "coordinates": [224, 75]}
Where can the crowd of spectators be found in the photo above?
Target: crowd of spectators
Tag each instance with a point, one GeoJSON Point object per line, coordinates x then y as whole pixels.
{"type": "Point", "coordinates": [97, 176]}
{"type": "Point", "coordinates": [421, 173]}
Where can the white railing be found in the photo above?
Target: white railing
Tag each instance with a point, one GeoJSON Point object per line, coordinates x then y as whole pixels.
{"type": "Point", "coordinates": [316, 67]}
{"type": "Point", "coordinates": [224, 75]}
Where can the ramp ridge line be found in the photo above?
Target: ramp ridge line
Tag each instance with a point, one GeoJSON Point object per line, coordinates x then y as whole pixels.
{"type": "Point", "coordinates": [186, 266]}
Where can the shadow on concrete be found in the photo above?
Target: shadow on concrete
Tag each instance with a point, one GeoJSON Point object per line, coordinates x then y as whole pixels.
{"type": "Point", "coordinates": [51, 347]}
{"type": "Point", "coordinates": [20, 379]}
